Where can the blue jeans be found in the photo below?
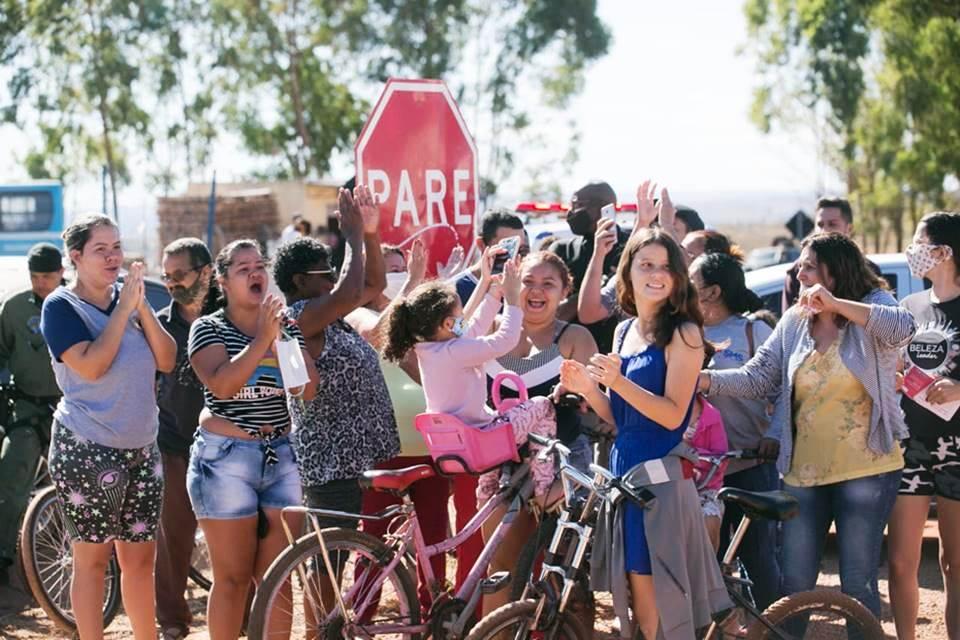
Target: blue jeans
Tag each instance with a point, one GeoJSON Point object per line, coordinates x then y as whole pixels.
{"type": "Point", "coordinates": [860, 508]}
{"type": "Point", "coordinates": [228, 478]}
{"type": "Point", "coordinates": [758, 551]}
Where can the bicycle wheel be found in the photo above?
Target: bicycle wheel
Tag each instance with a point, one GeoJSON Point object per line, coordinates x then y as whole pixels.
{"type": "Point", "coordinates": [513, 621]}
{"type": "Point", "coordinates": [200, 570]}
{"type": "Point", "coordinates": [47, 558]}
{"type": "Point", "coordinates": [823, 614]}
{"type": "Point", "coordinates": [296, 588]}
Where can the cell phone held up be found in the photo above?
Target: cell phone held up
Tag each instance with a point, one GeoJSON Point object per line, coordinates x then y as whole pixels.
{"type": "Point", "coordinates": [510, 248]}
{"type": "Point", "coordinates": [609, 212]}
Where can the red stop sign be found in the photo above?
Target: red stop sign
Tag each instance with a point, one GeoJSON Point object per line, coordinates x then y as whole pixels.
{"type": "Point", "coordinates": [416, 155]}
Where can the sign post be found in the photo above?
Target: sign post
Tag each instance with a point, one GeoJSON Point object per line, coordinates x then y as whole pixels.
{"type": "Point", "coordinates": [418, 158]}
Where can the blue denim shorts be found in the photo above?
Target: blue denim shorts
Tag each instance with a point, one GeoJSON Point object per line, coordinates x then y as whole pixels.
{"type": "Point", "coordinates": [228, 478]}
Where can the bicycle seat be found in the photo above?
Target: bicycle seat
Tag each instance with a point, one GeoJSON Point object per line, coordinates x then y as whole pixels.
{"type": "Point", "coordinates": [769, 505]}
{"type": "Point", "coordinates": [395, 479]}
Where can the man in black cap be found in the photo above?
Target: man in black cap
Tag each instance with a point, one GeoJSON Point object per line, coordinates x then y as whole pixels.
{"type": "Point", "coordinates": [584, 213]}
{"type": "Point", "coordinates": [34, 393]}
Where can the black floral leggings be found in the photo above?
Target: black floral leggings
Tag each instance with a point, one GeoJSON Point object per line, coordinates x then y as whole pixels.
{"type": "Point", "coordinates": [106, 493]}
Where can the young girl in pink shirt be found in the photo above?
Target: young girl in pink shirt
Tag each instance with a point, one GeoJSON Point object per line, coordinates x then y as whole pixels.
{"type": "Point", "coordinates": [452, 347]}
{"type": "Point", "coordinates": [707, 435]}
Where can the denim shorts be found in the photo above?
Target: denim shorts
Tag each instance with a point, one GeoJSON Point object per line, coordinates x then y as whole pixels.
{"type": "Point", "coordinates": [228, 478]}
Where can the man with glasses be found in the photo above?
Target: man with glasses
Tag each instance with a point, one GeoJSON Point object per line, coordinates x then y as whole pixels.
{"type": "Point", "coordinates": [33, 393]}
{"type": "Point", "coordinates": [187, 271]}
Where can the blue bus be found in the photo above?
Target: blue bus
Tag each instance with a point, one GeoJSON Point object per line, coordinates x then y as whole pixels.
{"type": "Point", "coordinates": [30, 212]}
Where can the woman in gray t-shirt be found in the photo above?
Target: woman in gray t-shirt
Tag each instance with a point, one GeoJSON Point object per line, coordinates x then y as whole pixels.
{"type": "Point", "coordinates": [727, 306]}
{"type": "Point", "coordinates": [106, 346]}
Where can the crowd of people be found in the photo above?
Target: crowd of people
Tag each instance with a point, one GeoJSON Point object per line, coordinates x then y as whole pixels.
{"type": "Point", "coordinates": [157, 423]}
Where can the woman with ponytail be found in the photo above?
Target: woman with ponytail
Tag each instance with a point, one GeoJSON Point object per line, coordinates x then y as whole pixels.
{"type": "Point", "coordinates": [728, 306]}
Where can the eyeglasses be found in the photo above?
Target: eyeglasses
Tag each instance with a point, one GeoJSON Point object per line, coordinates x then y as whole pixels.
{"type": "Point", "coordinates": [179, 276]}
{"type": "Point", "coordinates": [329, 274]}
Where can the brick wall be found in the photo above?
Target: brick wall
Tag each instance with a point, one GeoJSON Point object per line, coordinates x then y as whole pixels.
{"type": "Point", "coordinates": [251, 214]}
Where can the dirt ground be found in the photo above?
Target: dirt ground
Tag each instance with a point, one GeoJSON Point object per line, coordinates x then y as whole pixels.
{"type": "Point", "coordinates": [33, 623]}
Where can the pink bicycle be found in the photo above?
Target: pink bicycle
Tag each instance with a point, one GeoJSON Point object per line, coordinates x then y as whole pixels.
{"type": "Point", "coordinates": [341, 583]}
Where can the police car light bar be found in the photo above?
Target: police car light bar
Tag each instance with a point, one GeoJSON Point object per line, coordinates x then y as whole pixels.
{"type": "Point", "coordinates": [559, 207]}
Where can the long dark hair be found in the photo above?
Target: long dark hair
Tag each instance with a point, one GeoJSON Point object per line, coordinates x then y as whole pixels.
{"type": "Point", "coordinates": [841, 259]}
{"type": "Point", "coordinates": [725, 271]}
{"type": "Point", "coordinates": [682, 306]}
{"type": "Point", "coordinates": [418, 317]}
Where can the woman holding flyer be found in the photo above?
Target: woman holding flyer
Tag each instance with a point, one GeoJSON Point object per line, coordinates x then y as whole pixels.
{"type": "Point", "coordinates": [836, 419]}
{"type": "Point", "coordinates": [242, 470]}
{"type": "Point", "coordinates": [931, 404]}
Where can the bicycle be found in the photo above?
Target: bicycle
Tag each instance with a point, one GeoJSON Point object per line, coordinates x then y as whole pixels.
{"type": "Point", "coordinates": [563, 567]}
{"type": "Point", "coordinates": [531, 555]}
{"type": "Point", "coordinates": [352, 584]}
{"type": "Point", "coordinates": [46, 558]}
{"type": "Point", "coordinates": [820, 613]}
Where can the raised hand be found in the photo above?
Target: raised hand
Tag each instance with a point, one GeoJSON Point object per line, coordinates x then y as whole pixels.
{"type": "Point", "coordinates": [269, 318]}
{"type": "Point", "coordinates": [454, 262]}
{"type": "Point", "coordinates": [605, 369]}
{"type": "Point", "coordinates": [511, 281]}
{"type": "Point", "coordinates": [369, 208]}
{"type": "Point", "coordinates": [666, 212]}
{"type": "Point", "coordinates": [351, 220]}
{"type": "Point", "coordinates": [416, 262]}
{"type": "Point", "coordinates": [132, 294]}
{"type": "Point", "coordinates": [575, 378]}
{"type": "Point", "coordinates": [646, 207]}
{"type": "Point", "coordinates": [817, 299]}
{"type": "Point", "coordinates": [487, 259]}
{"type": "Point", "coordinates": [605, 238]}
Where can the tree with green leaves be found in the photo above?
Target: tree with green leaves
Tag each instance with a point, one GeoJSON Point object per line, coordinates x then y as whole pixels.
{"type": "Point", "coordinates": [301, 73]}
{"type": "Point", "coordinates": [881, 81]}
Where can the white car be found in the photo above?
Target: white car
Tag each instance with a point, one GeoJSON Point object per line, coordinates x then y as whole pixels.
{"type": "Point", "coordinates": [768, 282]}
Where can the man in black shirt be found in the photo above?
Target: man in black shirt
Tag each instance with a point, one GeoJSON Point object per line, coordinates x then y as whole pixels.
{"type": "Point", "coordinates": [582, 217]}
{"type": "Point", "coordinates": [187, 269]}
{"type": "Point", "coordinates": [834, 215]}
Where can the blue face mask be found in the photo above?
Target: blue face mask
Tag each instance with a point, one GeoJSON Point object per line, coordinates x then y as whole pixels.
{"type": "Point", "coordinates": [458, 329]}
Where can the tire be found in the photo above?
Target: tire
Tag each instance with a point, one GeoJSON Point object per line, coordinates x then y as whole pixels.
{"type": "Point", "coordinates": [299, 561]}
{"type": "Point", "coordinates": [532, 551]}
{"type": "Point", "coordinates": [506, 621]}
{"type": "Point", "coordinates": [47, 559]}
{"type": "Point", "coordinates": [847, 617]}
{"type": "Point", "coordinates": [201, 571]}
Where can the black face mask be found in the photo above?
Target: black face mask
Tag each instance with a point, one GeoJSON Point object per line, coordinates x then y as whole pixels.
{"type": "Point", "coordinates": [581, 222]}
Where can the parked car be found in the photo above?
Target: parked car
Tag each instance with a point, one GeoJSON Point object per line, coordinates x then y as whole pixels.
{"type": "Point", "coordinates": [768, 282]}
{"type": "Point", "coordinates": [769, 256]}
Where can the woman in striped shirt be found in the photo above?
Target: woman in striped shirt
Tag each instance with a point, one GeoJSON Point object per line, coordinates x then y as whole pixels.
{"type": "Point", "coordinates": [242, 469]}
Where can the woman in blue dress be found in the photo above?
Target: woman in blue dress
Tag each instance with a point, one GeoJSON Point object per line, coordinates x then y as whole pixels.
{"type": "Point", "coordinates": [651, 379]}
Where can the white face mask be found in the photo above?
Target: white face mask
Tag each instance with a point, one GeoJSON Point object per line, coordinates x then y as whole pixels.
{"type": "Point", "coordinates": [395, 282]}
{"type": "Point", "coordinates": [921, 260]}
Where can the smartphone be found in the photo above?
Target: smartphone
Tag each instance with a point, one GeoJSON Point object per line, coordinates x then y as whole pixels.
{"type": "Point", "coordinates": [511, 246]}
{"type": "Point", "coordinates": [609, 212]}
